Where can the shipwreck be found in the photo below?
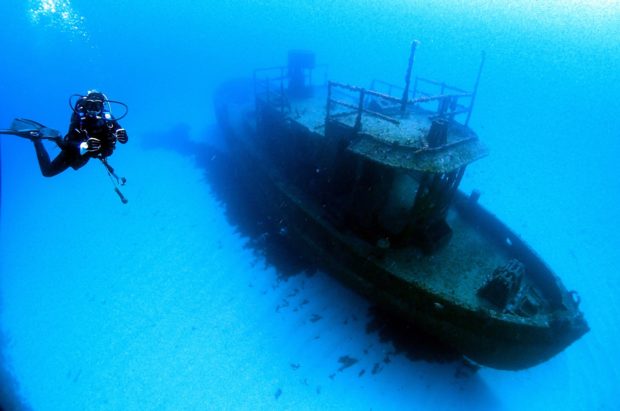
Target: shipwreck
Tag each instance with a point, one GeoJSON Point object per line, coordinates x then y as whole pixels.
{"type": "Point", "coordinates": [366, 181]}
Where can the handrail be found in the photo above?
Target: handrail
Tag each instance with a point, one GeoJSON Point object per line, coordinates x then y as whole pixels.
{"type": "Point", "coordinates": [273, 93]}
{"type": "Point", "coordinates": [443, 85]}
{"type": "Point", "coordinates": [276, 93]}
{"type": "Point", "coordinates": [434, 82]}
{"type": "Point", "coordinates": [366, 91]}
{"type": "Point", "coordinates": [426, 99]}
{"type": "Point", "coordinates": [367, 111]}
{"type": "Point", "coordinates": [360, 110]}
{"type": "Point", "coordinates": [448, 104]}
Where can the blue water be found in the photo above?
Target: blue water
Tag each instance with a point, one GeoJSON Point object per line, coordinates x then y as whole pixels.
{"type": "Point", "coordinates": [159, 305]}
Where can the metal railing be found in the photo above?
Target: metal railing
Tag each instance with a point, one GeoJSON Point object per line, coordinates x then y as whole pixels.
{"type": "Point", "coordinates": [357, 103]}
{"type": "Point", "coordinates": [449, 99]}
{"type": "Point", "coordinates": [271, 84]}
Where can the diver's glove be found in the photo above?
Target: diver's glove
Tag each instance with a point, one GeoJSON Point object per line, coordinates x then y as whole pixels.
{"type": "Point", "coordinates": [121, 135]}
{"type": "Point", "coordinates": [91, 145]}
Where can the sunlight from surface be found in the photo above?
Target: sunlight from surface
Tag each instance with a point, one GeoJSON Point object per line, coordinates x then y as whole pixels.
{"type": "Point", "coordinates": [593, 10]}
{"type": "Point", "coordinates": [599, 10]}
{"type": "Point", "coordinates": [591, 4]}
{"type": "Point", "coordinates": [57, 14]}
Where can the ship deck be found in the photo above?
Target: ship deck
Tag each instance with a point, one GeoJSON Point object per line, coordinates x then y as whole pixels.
{"type": "Point", "coordinates": [410, 131]}
{"type": "Point", "coordinates": [453, 273]}
{"type": "Point", "coordinates": [403, 144]}
{"type": "Point", "coordinates": [457, 270]}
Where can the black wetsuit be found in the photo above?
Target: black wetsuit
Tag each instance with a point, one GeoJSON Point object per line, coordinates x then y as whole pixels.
{"type": "Point", "coordinates": [80, 130]}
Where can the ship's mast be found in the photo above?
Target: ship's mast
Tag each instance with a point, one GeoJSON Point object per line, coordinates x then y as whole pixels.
{"type": "Point", "coordinates": [405, 98]}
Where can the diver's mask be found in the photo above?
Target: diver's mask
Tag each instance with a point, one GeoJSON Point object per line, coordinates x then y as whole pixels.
{"type": "Point", "coordinates": [92, 108]}
{"type": "Point", "coordinates": [95, 105]}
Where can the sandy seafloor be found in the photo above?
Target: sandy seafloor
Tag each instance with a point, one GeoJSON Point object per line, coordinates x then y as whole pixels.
{"type": "Point", "coordinates": [159, 304]}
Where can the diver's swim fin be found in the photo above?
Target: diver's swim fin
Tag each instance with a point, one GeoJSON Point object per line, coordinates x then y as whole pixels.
{"type": "Point", "coordinates": [31, 129]}
{"type": "Point", "coordinates": [30, 134]}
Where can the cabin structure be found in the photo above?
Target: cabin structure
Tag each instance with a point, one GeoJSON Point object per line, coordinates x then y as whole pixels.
{"type": "Point", "coordinates": [395, 155]}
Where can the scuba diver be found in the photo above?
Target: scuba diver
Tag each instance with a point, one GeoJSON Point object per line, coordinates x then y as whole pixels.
{"type": "Point", "coordinates": [93, 133]}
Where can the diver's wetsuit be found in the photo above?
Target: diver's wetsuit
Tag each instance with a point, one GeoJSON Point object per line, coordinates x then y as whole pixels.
{"type": "Point", "coordinates": [79, 131]}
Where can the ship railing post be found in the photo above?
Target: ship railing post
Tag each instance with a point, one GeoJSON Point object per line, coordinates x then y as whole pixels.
{"type": "Point", "coordinates": [329, 100]}
{"type": "Point", "coordinates": [282, 90]}
{"type": "Point", "coordinates": [255, 88]}
{"type": "Point", "coordinates": [360, 109]}
{"type": "Point", "coordinates": [473, 94]}
{"type": "Point", "coordinates": [441, 103]}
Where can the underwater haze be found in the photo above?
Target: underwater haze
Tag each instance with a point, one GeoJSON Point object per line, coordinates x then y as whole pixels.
{"type": "Point", "coordinates": [159, 304]}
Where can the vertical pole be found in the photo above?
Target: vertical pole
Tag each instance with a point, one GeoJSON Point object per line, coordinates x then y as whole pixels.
{"type": "Point", "coordinates": [360, 108]}
{"type": "Point", "coordinates": [255, 89]}
{"type": "Point", "coordinates": [282, 89]}
{"type": "Point", "coordinates": [328, 108]}
{"type": "Point", "coordinates": [405, 99]}
{"type": "Point", "coordinates": [473, 94]}
{"type": "Point", "coordinates": [441, 103]}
